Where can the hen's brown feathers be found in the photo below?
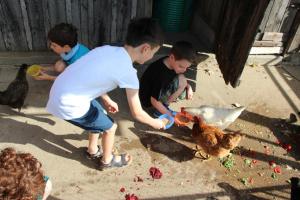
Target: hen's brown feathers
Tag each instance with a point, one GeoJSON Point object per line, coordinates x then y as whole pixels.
{"type": "Point", "coordinates": [213, 140]}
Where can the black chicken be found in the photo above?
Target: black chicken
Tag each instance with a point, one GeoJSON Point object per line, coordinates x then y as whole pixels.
{"type": "Point", "coordinates": [17, 90]}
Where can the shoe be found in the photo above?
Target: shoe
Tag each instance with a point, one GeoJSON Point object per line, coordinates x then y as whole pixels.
{"type": "Point", "coordinates": [113, 163]}
{"type": "Point", "coordinates": [96, 155]}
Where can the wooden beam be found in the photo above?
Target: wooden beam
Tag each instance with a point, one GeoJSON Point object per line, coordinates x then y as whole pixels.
{"type": "Point", "coordinates": [266, 50]}
{"type": "Point", "coordinates": [273, 36]}
{"type": "Point", "coordinates": [26, 24]}
{"type": "Point", "coordinates": [267, 44]}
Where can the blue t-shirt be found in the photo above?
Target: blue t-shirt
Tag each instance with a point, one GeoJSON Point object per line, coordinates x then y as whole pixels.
{"type": "Point", "coordinates": [76, 52]}
{"type": "Point", "coordinates": [46, 178]}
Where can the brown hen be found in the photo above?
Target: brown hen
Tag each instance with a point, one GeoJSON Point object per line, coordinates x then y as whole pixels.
{"type": "Point", "coordinates": [213, 141]}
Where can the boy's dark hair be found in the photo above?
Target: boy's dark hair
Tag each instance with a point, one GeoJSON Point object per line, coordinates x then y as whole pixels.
{"type": "Point", "coordinates": [144, 30]}
{"type": "Point", "coordinates": [184, 50]}
{"type": "Point", "coordinates": [63, 34]}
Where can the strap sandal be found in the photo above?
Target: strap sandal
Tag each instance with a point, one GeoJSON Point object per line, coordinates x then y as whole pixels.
{"type": "Point", "coordinates": [114, 163]}
{"type": "Point", "coordinates": [96, 155]}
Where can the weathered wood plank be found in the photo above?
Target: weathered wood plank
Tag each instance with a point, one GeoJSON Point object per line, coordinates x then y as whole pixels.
{"type": "Point", "coordinates": [266, 50]}
{"type": "Point", "coordinates": [12, 26]}
{"type": "Point", "coordinates": [26, 24]}
{"type": "Point", "coordinates": [267, 44]}
{"type": "Point", "coordinates": [69, 11]}
{"type": "Point", "coordinates": [57, 11]}
{"type": "Point", "coordinates": [113, 30]}
{"type": "Point", "coordinates": [214, 14]}
{"type": "Point", "coordinates": [263, 23]}
{"type": "Point", "coordinates": [103, 19]}
{"type": "Point", "coordinates": [47, 23]}
{"type": "Point", "coordinates": [273, 36]}
{"type": "Point", "coordinates": [84, 22]}
{"type": "Point", "coordinates": [276, 15]}
{"type": "Point", "coordinates": [241, 20]}
{"type": "Point", "coordinates": [97, 36]}
{"type": "Point", "coordinates": [140, 8]}
{"type": "Point", "coordinates": [123, 18]}
{"type": "Point", "coordinates": [75, 6]}
{"type": "Point", "coordinates": [288, 18]}
{"type": "Point", "coordinates": [148, 8]}
{"type": "Point", "coordinates": [293, 42]}
{"type": "Point", "coordinates": [133, 8]}
{"type": "Point", "coordinates": [36, 19]}
{"type": "Point", "coordinates": [91, 23]}
{"type": "Point", "coordinates": [2, 45]}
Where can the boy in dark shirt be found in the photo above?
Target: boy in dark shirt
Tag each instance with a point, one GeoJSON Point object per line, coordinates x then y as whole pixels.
{"type": "Point", "coordinates": [164, 82]}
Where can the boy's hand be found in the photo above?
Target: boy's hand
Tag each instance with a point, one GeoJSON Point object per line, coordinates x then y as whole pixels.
{"type": "Point", "coordinates": [44, 76]}
{"type": "Point", "coordinates": [159, 124]}
{"type": "Point", "coordinates": [189, 92]}
{"type": "Point", "coordinates": [111, 106]}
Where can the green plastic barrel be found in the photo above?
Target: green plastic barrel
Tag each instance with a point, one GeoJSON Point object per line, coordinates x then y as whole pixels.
{"type": "Point", "coordinates": [173, 15]}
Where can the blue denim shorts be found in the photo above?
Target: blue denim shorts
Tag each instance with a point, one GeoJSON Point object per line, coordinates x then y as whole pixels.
{"type": "Point", "coordinates": [94, 120]}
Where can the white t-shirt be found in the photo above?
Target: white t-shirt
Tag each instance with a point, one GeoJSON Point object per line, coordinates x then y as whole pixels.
{"type": "Point", "coordinates": [96, 73]}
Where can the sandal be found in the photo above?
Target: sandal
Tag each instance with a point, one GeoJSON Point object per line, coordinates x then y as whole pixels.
{"type": "Point", "coordinates": [96, 155]}
{"type": "Point", "coordinates": [113, 163]}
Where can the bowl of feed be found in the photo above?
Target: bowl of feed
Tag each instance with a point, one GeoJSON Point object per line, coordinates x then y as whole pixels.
{"type": "Point", "coordinates": [34, 70]}
{"type": "Point", "coordinates": [167, 119]}
{"type": "Point", "coordinates": [181, 119]}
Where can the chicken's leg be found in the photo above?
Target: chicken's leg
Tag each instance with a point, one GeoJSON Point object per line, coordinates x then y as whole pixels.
{"type": "Point", "coordinates": [198, 153]}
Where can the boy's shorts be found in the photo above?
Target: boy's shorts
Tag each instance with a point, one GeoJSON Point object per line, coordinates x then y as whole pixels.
{"type": "Point", "coordinates": [166, 92]}
{"type": "Point", "coordinates": [95, 120]}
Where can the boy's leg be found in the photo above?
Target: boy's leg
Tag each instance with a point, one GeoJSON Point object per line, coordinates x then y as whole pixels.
{"type": "Point", "coordinates": [93, 143]}
{"type": "Point", "coordinates": [108, 138]}
{"type": "Point", "coordinates": [107, 145]}
{"type": "Point", "coordinates": [180, 84]}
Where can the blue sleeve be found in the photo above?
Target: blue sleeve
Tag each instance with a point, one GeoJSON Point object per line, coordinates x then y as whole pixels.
{"type": "Point", "coordinates": [81, 52]}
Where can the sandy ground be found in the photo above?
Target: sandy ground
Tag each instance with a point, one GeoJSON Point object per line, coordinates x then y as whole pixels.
{"type": "Point", "coordinates": [270, 94]}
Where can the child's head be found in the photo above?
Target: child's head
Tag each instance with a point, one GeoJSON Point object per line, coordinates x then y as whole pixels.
{"type": "Point", "coordinates": [62, 37]}
{"type": "Point", "coordinates": [182, 56]}
{"type": "Point", "coordinates": [146, 36]}
{"type": "Point", "coordinates": [21, 176]}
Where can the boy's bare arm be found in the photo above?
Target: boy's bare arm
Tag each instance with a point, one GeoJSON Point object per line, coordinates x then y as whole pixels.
{"type": "Point", "coordinates": [44, 76]}
{"type": "Point", "coordinates": [137, 111]}
{"type": "Point", "coordinates": [189, 92]}
{"type": "Point", "coordinates": [159, 106]}
{"type": "Point", "coordinates": [111, 106]}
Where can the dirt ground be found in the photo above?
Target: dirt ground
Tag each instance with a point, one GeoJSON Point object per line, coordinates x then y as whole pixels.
{"type": "Point", "coordinates": [270, 93]}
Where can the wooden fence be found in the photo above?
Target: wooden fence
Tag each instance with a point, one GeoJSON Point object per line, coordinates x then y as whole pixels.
{"type": "Point", "coordinates": [24, 24]}
{"type": "Point", "coordinates": [274, 29]}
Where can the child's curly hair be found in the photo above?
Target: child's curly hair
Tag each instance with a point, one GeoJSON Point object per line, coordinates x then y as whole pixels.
{"type": "Point", "coordinates": [21, 176]}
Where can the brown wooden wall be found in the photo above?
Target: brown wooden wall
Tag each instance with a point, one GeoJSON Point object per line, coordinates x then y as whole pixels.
{"type": "Point", "coordinates": [278, 18]}
{"type": "Point", "coordinates": [24, 24]}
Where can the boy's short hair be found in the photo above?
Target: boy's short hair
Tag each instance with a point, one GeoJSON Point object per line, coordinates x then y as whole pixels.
{"type": "Point", "coordinates": [144, 30]}
{"type": "Point", "coordinates": [184, 50]}
{"type": "Point", "coordinates": [21, 176]}
{"type": "Point", "coordinates": [63, 34]}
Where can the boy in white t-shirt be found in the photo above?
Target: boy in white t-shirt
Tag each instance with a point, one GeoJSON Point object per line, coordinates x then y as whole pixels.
{"type": "Point", "coordinates": [73, 94]}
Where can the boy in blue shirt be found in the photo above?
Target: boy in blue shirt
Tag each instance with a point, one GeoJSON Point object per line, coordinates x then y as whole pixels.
{"type": "Point", "coordinates": [62, 40]}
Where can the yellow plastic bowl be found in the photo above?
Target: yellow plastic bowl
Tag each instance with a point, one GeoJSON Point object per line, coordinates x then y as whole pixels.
{"type": "Point", "coordinates": [34, 70]}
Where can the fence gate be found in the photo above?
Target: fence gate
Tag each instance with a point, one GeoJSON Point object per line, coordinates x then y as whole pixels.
{"type": "Point", "coordinates": [275, 29]}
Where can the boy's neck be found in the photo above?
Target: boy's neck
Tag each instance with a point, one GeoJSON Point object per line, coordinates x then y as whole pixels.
{"type": "Point", "coordinates": [131, 52]}
{"type": "Point", "coordinates": [166, 61]}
